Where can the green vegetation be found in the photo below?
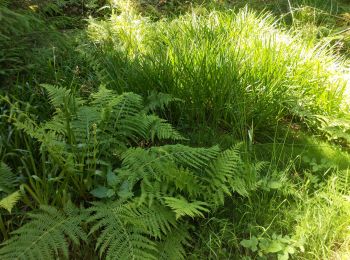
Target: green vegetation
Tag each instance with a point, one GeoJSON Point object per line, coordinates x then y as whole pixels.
{"type": "Point", "coordinates": [174, 130]}
{"type": "Point", "coordinates": [237, 70]}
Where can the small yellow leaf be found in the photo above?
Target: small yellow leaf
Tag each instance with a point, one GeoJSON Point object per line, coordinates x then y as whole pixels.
{"type": "Point", "coordinates": [9, 202]}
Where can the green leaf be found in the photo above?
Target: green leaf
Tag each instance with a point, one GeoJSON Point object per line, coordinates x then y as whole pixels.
{"type": "Point", "coordinates": [7, 178]}
{"type": "Point", "coordinates": [274, 247]}
{"type": "Point", "coordinates": [125, 190]}
{"type": "Point", "coordinates": [112, 178]}
{"type": "Point", "coordinates": [10, 201]}
{"type": "Point", "coordinates": [252, 243]}
{"type": "Point", "coordinates": [102, 192]}
{"type": "Point", "coordinates": [284, 256]}
{"type": "Point", "coordinates": [274, 185]}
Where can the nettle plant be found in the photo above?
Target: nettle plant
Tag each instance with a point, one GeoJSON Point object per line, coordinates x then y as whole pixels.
{"type": "Point", "coordinates": [121, 186]}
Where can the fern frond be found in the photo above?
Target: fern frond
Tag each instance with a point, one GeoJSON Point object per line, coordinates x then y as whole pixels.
{"type": "Point", "coordinates": [81, 126]}
{"type": "Point", "coordinates": [102, 97]}
{"type": "Point", "coordinates": [148, 127]}
{"type": "Point", "coordinates": [46, 235]}
{"type": "Point", "coordinates": [252, 174]}
{"type": "Point", "coordinates": [342, 181]}
{"type": "Point", "coordinates": [183, 180]}
{"type": "Point", "coordinates": [59, 96]}
{"type": "Point", "coordinates": [151, 190]}
{"type": "Point", "coordinates": [8, 179]}
{"type": "Point", "coordinates": [26, 124]}
{"type": "Point", "coordinates": [173, 246]}
{"type": "Point", "coordinates": [154, 165]}
{"type": "Point", "coordinates": [195, 158]}
{"type": "Point", "coordinates": [10, 201]}
{"type": "Point", "coordinates": [170, 181]}
{"type": "Point", "coordinates": [155, 159]}
{"type": "Point", "coordinates": [139, 164]}
{"type": "Point", "coordinates": [133, 128]}
{"type": "Point", "coordinates": [56, 125]}
{"type": "Point", "coordinates": [120, 116]}
{"type": "Point", "coordinates": [126, 229]}
{"type": "Point", "coordinates": [224, 176]}
{"type": "Point", "coordinates": [160, 128]}
{"type": "Point", "coordinates": [182, 207]}
{"type": "Point", "coordinates": [155, 219]}
{"type": "Point", "coordinates": [158, 100]}
{"type": "Point", "coordinates": [117, 106]}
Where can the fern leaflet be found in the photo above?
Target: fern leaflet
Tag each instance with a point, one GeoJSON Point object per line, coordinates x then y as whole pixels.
{"type": "Point", "coordinates": [46, 235]}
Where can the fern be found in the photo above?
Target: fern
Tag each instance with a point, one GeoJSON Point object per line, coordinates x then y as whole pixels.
{"type": "Point", "coordinates": [10, 201]}
{"type": "Point", "coordinates": [81, 131]}
{"type": "Point", "coordinates": [109, 146]}
{"type": "Point", "coordinates": [342, 181]}
{"type": "Point", "coordinates": [223, 177]}
{"type": "Point", "coordinates": [195, 158]}
{"type": "Point", "coordinates": [182, 207]}
{"type": "Point", "coordinates": [46, 235]}
{"type": "Point", "coordinates": [150, 128]}
{"type": "Point", "coordinates": [117, 106]}
{"type": "Point", "coordinates": [191, 171]}
{"type": "Point", "coordinates": [157, 100]}
{"type": "Point", "coordinates": [173, 246]}
{"type": "Point", "coordinates": [8, 183]}
{"type": "Point", "coordinates": [182, 180]}
{"type": "Point", "coordinates": [127, 229]}
{"type": "Point", "coordinates": [152, 165]}
{"type": "Point", "coordinates": [58, 96]}
{"type": "Point", "coordinates": [8, 179]}
{"type": "Point", "coordinates": [118, 117]}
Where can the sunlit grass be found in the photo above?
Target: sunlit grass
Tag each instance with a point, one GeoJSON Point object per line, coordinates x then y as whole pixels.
{"type": "Point", "coordinates": [236, 71]}
{"type": "Point", "coordinates": [324, 223]}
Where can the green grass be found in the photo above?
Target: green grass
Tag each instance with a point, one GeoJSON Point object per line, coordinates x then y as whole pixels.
{"type": "Point", "coordinates": [307, 225]}
{"type": "Point", "coordinates": [316, 20]}
{"type": "Point", "coordinates": [324, 223]}
{"type": "Point", "coordinates": [234, 71]}
{"type": "Point", "coordinates": [265, 83]}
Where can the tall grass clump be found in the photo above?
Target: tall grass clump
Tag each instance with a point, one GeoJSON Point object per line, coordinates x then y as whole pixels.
{"type": "Point", "coordinates": [19, 32]}
{"type": "Point", "coordinates": [31, 49]}
{"type": "Point", "coordinates": [235, 71]}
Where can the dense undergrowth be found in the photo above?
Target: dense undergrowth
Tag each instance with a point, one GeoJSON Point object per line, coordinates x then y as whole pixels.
{"type": "Point", "coordinates": [172, 130]}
